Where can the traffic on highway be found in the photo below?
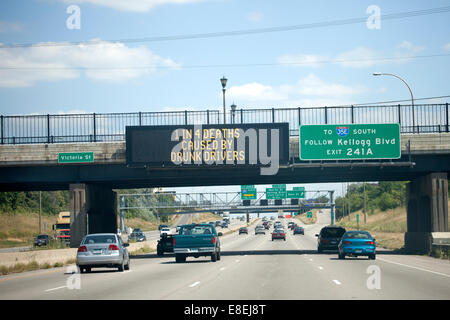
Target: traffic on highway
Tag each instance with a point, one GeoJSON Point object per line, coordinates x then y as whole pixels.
{"type": "Point", "coordinates": [204, 261]}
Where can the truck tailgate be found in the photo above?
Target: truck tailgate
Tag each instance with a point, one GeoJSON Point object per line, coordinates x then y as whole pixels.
{"type": "Point", "coordinates": [194, 241]}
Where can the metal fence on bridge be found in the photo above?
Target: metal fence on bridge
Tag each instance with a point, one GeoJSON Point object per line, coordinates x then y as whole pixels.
{"type": "Point", "coordinates": [102, 127]}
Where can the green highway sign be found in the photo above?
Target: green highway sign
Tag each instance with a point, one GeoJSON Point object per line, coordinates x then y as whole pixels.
{"type": "Point", "coordinates": [309, 214]}
{"type": "Point", "coordinates": [275, 193]}
{"type": "Point", "coordinates": [248, 192]}
{"type": "Point", "coordinates": [299, 188]}
{"type": "Point", "coordinates": [295, 194]}
{"type": "Point", "coordinates": [75, 157]}
{"type": "Point", "coordinates": [279, 186]}
{"type": "Point", "coordinates": [350, 141]}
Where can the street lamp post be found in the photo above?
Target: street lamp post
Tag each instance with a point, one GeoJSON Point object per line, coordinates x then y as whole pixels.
{"type": "Point", "coordinates": [233, 111]}
{"type": "Point", "coordinates": [223, 81]}
{"type": "Point", "coordinates": [409, 88]}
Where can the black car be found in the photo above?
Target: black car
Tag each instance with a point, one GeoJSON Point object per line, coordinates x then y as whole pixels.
{"type": "Point", "coordinates": [165, 244]}
{"type": "Point", "coordinates": [299, 230]}
{"type": "Point", "coordinates": [137, 236]}
{"type": "Point", "coordinates": [329, 237]}
{"type": "Point", "coordinates": [41, 240]}
{"type": "Point", "coordinates": [162, 226]}
{"type": "Point", "coordinates": [243, 230]}
{"type": "Point", "coordinates": [224, 224]}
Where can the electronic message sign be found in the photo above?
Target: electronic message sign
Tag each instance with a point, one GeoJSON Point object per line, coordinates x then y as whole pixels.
{"type": "Point", "coordinates": [261, 144]}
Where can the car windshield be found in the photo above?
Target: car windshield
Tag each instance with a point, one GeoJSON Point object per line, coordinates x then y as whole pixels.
{"type": "Point", "coordinates": [332, 232]}
{"type": "Point", "coordinates": [357, 235]}
{"type": "Point", "coordinates": [43, 236]}
{"type": "Point", "coordinates": [94, 239]}
{"type": "Point", "coordinates": [165, 229]}
{"type": "Point", "coordinates": [196, 229]}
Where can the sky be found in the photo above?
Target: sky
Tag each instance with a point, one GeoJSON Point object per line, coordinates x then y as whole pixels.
{"type": "Point", "coordinates": [309, 66]}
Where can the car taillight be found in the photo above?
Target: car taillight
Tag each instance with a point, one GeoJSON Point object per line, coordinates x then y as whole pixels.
{"type": "Point", "coordinates": [174, 241]}
{"type": "Point", "coordinates": [113, 247]}
{"type": "Point", "coordinates": [82, 249]}
{"type": "Point", "coordinates": [347, 242]}
{"type": "Point", "coordinates": [369, 242]}
{"type": "Point", "coordinates": [214, 240]}
{"type": "Point", "coordinates": [325, 241]}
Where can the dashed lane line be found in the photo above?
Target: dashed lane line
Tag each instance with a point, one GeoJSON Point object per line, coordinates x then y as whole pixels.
{"type": "Point", "coordinates": [57, 288]}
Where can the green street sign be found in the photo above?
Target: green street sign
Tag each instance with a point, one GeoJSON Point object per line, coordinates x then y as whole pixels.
{"type": "Point", "coordinates": [275, 193]}
{"type": "Point", "coordinates": [295, 194]}
{"type": "Point", "coordinates": [309, 214]}
{"type": "Point", "coordinates": [75, 157]}
{"type": "Point", "coordinates": [248, 195]}
{"type": "Point", "coordinates": [350, 141]}
{"type": "Point", "coordinates": [248, 192]}
{"type": "Point", "coordinates": [280, 186]}
{"type": "Point", "coordinates": [299, 188]}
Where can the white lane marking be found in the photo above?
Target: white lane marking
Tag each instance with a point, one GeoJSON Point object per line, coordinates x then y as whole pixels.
{"type": "Point", "coordinates": [237, 260]}
{"type": "Point", "coordinates": [48, 290]}
{"type": "Point", "coordinates": [417, 268]}
{"type": "Point", "coordinates": [194, 284]}
{"type": "Point", "coordinates": [337, 282]}
{"type": "Point", "coordinates": [310, 259]}
{"type": "Point", "coordinates": [223, 268]}
{"type": "Point", "coordinates": [321, 268]}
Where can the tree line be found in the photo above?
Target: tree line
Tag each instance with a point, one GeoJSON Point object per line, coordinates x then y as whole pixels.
{"type": "Point", "coordinates": [382, 196]}
{"type": "Point", "coordinates": [53, 202]}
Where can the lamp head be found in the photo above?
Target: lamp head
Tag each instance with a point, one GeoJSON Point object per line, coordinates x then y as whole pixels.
{"type": "Point", "coordinates": [223, 81]}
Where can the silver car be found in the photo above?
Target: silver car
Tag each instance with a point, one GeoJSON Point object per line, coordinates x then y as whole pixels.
{"type": "Point", "coordinates": [102, 250]}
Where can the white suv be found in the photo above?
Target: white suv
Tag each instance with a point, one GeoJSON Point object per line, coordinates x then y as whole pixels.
{"type": "Point", "coordinates": [165, 231]}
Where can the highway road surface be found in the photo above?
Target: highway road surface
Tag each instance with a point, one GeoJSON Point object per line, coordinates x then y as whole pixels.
{"type": "Point", "coordinates": [252, 267]}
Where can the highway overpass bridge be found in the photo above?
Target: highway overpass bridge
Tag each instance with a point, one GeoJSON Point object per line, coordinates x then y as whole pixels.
{"type": "Point", "coordinates": [31, 146]}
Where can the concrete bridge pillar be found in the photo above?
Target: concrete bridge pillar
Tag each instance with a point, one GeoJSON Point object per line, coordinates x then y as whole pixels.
{"type": "Point", "coordinates": [93, 209]}
{"type": "Point", "coordinates": [427, 210]}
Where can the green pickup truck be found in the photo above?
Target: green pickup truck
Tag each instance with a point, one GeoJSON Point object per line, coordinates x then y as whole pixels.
{"type": "Point", "coordinates": [195, 240]}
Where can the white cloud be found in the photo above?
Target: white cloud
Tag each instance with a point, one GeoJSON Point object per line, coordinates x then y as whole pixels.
{"type": "Point", "coordinates": [312, 85]}
{"type": "Point", "coordinates": [7, 27]}
{"type": "Point", "coordinates": [256, 92]}
{"type": "Point", "coordinates": [255, 16]}
{"type": "Point", "coordinates": [447, 46]}
{"type": "Point", "coordinates": [302, 60]}
{"type": "Point", "coordinates": [310, 91]}
{"type": "Point", "coordinates": [359, 57]}
{"type": "Point", "coordinates": [130, 5]}
{"type": "Point", "coordinates": [106, 61]}
{"type": "Point", "coordinates": [406, 50]}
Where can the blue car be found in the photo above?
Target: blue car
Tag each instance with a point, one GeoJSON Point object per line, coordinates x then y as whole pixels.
{"type": "Point", "coordinates": [357, 243]}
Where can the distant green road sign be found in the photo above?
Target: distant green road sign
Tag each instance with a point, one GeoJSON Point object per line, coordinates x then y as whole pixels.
{"type": "Point", "coordinates": [350, 142]}
{"type": "Point", "coordinates": [248, 192]}
{"type": "Point", "coordinates": [295, 194]}
{"type": "Point", "coordinates": [75, 157]}
{"type": "Point", "coordinates": [309, 214]}
{"type": "Point", "coordinates": [275, 193]}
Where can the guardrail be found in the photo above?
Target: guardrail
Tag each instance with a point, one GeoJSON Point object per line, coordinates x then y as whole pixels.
{"type": "Point", "coordinates": [103, 127]}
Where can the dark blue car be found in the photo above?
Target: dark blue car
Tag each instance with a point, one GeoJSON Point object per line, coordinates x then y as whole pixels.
{"type": "Point", "coordinates": [357, 243]}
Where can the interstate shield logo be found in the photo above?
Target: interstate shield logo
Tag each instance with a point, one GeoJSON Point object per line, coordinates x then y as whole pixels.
{"type": "Point", "coordinates": [342, 131]}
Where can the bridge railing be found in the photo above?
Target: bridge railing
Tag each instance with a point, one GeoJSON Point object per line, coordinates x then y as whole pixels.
{"type": "Point", "coordinates": [98, 127]}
